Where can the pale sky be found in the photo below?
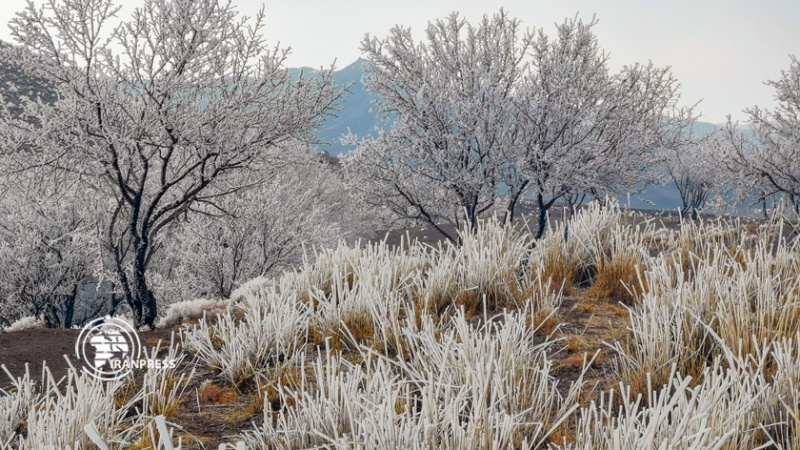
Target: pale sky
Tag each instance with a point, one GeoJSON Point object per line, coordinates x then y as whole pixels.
{"type": "Point", "coordinates": [721, 51]}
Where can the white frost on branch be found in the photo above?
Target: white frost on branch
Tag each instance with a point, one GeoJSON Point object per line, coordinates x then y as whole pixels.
{"type": "Point", "coordinates": [489, 108]}
{"type": "Point", "coordinates": [157, 116]}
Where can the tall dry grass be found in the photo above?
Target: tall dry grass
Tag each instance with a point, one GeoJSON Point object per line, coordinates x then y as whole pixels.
{"type": "Point", "coordinates": [374, 346]}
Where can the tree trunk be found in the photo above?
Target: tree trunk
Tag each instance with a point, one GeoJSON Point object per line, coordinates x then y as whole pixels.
{"type": "Point", "coordinates": [512, 203]}
{"type": "Point", "coordinates": [131, 300]}
{"type": "Point", "coordinates": [51, 319]}
{"type": "Point", "coordinates": [543, 207]}
{"type": "Point", "coordinates": [69, 307]}
{"type": "Point", "coordinates": [472, 214]}
{"type": "Point", "coordinates": [114, 302]}
{"type": "Point", "coordinates": [143, 298]}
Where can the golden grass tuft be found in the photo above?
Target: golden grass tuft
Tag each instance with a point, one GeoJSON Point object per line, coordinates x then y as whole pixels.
{"type": "Point", "coordinates": [254, 407]}
{"type": "Point", "coordinates": [228, 396]}
{"type": "Point", "coordinates": [682, 261]}
{"type": "Point", "coordinates": [471, 301]}
{"type": "Point", "coordinates": [320, 336]}
{"type": "Point", "coordinates": [560, 271]}
{"type": "Point", "coordinates": [435, 304]}
{"type": "Point", "coordinates": [587, 305]}
{"type": "Point", "coordinates": [392, 346]}
{"type": "Point", "coordinates": [165, 404]}
{"type": "Point", "coordinates": [573, 361]}
{"type": "Point", "coordinates": [360, 327]}
{"type": "Point", "coordinates": [573, 344]}
{"type": "Point", "coordinates": [125, 393]}
{"type": "Point", "coordinates": [148, 439]}
{"type": "Point", "coordinates": [290, 378]}
{"type": "Point", "coordinates": [562, 435]}
{"type": "Point", "coordinates": [619, 279]}
{"type": "Point", "coordinates": [145, 442]}
{"type": "Point", "coordinates": [307, 298]}
{"type": "Point", "coordinates": [356, 328]}
{"type": "Point", "coordinates": [212, 393]}
{"type": "Point", "coordinates": [544, 322]}
{"type": "Point", "coordinates": [408, 403]}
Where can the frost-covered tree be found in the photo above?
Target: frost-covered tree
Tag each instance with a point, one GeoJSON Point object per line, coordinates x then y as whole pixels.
{"type": "Point", "coordinates": [691, 168]}
{"type": "Point", "coordinates": [451, 97]}
{"type": "Point", "coordinates": [158, 116]}
{"type": "Point", "coordinates": [487, 109]}
{"type": "Point", "coordinates": [293, 208]}
{"type": "Point", "coordinates": [583, 129]}
{"type": "Point", "coordinates": [48, 254]}
{"type": "Point", "coordinates": [768, 161]}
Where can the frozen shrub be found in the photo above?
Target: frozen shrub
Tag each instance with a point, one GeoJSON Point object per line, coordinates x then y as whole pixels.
{"type": "Point", "coordinates": [189, 310]}
{"type": "Point", "coordinates": [57, 415]}
{"type": "Point", "coordinates": [15, 404]}
{"type": "Point", "coordinates": [713, 415]}
{"type": "Point", "coordinates": [460, 387]}
{"type": "Point", "coordinates": [251, 336]}
{"type": "Point", "coordinates": [735, 300]}
{"type": "Point", "coordinates": [25, 323]}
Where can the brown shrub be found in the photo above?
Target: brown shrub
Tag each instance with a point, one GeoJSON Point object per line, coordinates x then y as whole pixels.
{"type": "Point", "coordinates": [209, 393]}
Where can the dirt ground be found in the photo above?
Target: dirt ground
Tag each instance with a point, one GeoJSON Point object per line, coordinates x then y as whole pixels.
{"type": "Point", "coordinates": [55, 347]}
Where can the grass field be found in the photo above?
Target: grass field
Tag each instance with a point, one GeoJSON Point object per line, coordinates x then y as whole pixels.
{"type": "Point", "coordinates": [627, 335]}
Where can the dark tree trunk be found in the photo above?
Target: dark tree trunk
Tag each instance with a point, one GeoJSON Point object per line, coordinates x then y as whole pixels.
{"type": "Point", "coordinates": [114, 302]}
{"type": "Point", "coordinates": [51, 319]}
{"type": "Point", "coordinates": [69, 307]}
{"type": "Point", "coordinates": [142, 303]}
{"type": "Point", "coordinates": [472, 215]}
{"type": "Point", "coordinates": [542, 223]}
{"type": "Point", "coordinates": [133, 303]}
{"type": "Point", "coordinates": [512, 203]}
{"type": "Point", "coordinates": [143, 299]}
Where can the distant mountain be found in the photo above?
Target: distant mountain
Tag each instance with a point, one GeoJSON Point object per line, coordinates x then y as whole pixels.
{"type": "Point", "coordinates": [354, 110]}
{"type": "Point", "coordinates": [704, 128]}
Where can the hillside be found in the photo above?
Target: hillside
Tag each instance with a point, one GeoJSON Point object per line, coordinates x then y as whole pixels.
{"type": "Point", "coordinates": [354, 111]}
{"type": "Point", "coordinates": [554, 340]}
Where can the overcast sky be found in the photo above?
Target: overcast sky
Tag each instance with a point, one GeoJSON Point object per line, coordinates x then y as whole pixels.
{"type": "Point", "coordinates": [721, 51]}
